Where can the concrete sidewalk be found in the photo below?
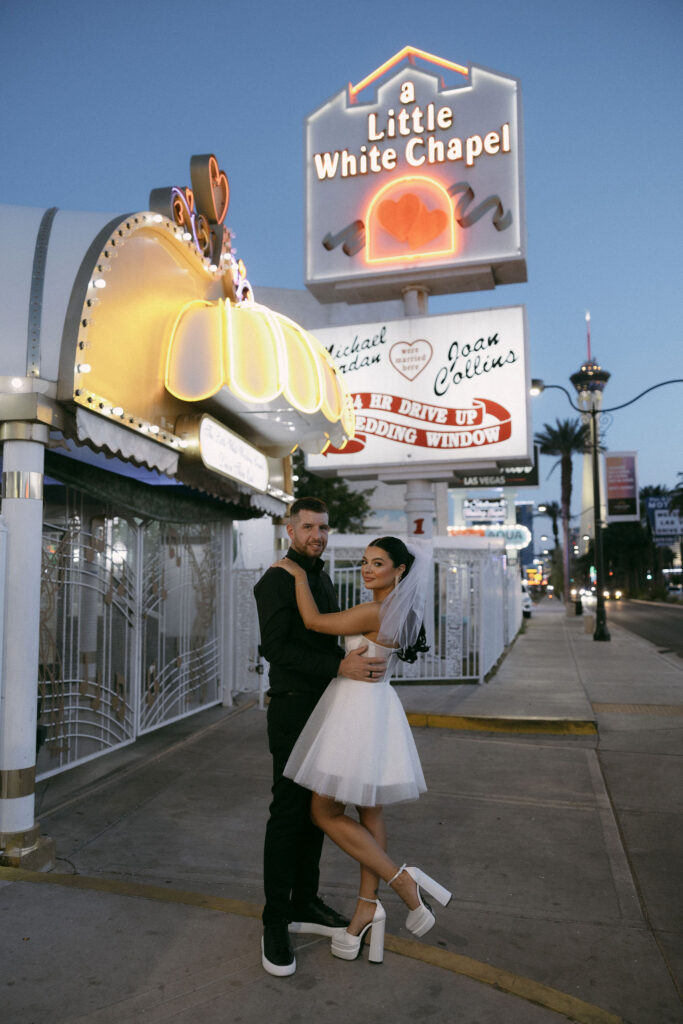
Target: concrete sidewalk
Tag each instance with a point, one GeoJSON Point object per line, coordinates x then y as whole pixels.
{"type": "Point", "coordinates": [563, 849]}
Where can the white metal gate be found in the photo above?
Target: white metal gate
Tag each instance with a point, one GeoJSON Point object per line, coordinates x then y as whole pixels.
{"type": "Point", "coordinates": [180, 656]}
{"type": "Point", "coordinates": [87, 640]}
{"type": "Point", "coordinates": [129, 632]}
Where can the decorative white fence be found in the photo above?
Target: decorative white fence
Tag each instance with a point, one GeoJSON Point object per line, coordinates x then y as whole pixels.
{"type": "Point", "coordinates": [512, 604]}
{"type": "Point", "coordinates": [135, 631]}
{"type": "Point", "coordinates": [473, 614]}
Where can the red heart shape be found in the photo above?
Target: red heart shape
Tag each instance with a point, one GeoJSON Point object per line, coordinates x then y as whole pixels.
{"type": "Point", "coordinates": [220, 191]}
{"type": "Point", "coordinates": [427, 227]}
{"type": "Point", "coordinates": [408, 220]}
{"type": "Point", "coordinates": [399, 217]}
{"type": "Point", "coordinates": [210, 187]}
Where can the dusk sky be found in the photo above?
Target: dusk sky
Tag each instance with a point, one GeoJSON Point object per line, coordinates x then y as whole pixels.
{"type": "Point", "coordinates": [101, 103]}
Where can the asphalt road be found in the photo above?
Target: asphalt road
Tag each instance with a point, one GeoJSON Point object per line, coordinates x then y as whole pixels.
{"type": "Point", "coordinates": [661, 624]}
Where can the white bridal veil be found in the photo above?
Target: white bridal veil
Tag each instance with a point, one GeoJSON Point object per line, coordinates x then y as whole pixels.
{"type": "Point", "coordinates": [402, 613]}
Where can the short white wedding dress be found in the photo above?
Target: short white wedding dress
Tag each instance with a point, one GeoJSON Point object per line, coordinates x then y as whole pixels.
{"type": "Point", "coordinates": [357, 745]}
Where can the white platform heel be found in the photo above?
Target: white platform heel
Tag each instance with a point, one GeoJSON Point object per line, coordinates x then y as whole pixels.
{"type": "Point", "coordinates": [347, 946]}
{"type": "Point", "coordinates": [421, 919]}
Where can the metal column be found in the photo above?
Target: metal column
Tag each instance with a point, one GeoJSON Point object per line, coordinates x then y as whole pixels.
{"type": "Point", "coordinates": [22, 511]}
{"type": "Point", "coordinates": [420, 505]}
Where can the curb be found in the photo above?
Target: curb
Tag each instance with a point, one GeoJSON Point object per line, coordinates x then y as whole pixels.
{"type": "Point", "coordinates": [656, 604]}
{"type": "Point", "coordinates": [505, 723]}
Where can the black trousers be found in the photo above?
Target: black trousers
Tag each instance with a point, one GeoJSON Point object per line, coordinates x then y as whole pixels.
{"type": "Point", "coordinates": [291, 856]}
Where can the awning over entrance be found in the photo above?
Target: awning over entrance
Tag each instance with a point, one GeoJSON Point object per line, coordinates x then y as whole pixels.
{"type": "Point", "coordinates": [158, 336]}
{"type": "Point", "coordinates": [169, 502]}
{"type": "Point", "coordinates": [260, 367]}
{"type": "Point", "coordinates": [120, 332]}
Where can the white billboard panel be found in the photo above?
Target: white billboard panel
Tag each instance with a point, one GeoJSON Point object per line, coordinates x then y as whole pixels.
{"type": "Point", "coordinates": [432, 394]}
{"type": "Point", "coordinates": [411, 181]}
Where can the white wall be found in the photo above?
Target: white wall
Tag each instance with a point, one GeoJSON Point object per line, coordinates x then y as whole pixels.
{"type": "Point", "coordinates": [255, 543]}
{"type": "Point", "coordinates": [301, 306]}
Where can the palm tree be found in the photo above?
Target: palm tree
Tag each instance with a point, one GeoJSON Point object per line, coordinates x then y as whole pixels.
{"type": "Point", "coordinates": [348, 508]}
{"type": "Point", "coordinates": [567, 438]}
{"type": "Point", "coordinates": [553, 512]}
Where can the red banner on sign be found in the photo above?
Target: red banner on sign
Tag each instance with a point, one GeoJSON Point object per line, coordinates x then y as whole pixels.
{"type": "Point", "coordinates": [486, 422]}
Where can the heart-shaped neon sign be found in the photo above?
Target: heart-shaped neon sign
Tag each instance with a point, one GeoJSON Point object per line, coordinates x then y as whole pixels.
{"type": "Point", "coordinates": [408, 220]}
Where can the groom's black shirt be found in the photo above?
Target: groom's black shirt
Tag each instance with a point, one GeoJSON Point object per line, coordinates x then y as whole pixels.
{"type": "Point", "coordinates": [301, 661]}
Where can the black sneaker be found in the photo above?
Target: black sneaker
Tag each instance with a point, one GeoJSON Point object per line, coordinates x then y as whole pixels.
{"type": "Point", "coordinates": [316, 918]}
{"type": "Point", "coordinates": [277, 955]}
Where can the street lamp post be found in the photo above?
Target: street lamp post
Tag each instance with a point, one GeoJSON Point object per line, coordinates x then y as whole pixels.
{"type": "Point", "coordinates": [601, 631]}
{"type": "Point", "coordinates": [591, 379]}
{"type": "Point", "coordinates": [590, 382]}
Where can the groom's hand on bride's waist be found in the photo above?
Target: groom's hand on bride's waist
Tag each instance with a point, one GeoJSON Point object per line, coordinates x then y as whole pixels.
{"type": "Point", "coordinates": [357, 666]}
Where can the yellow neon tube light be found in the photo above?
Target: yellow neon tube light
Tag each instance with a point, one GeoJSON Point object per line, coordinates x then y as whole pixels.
{"type": "Point", "coordinates": [407, 51]}
{"type": "Point", "coordinates": [257, 367]}
{"type": "Point", "coordinates": [199, 347]}
{"type": "Point", "coordinates": [303, 389]}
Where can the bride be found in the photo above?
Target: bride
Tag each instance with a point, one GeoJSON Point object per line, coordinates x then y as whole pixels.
{"type": "Point", "coordinates": [357, 748]}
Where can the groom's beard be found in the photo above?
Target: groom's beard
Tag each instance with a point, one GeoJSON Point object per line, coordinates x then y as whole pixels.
{"type": "Point", "coordinates": [311, 549]}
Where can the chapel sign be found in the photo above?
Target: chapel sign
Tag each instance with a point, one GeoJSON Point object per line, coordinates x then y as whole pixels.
{"type": "Point", "coordinates": [412, 182]}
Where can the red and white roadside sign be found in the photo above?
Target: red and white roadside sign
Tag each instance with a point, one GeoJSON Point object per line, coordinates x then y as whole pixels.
{"type": "Point", "coordinates": [432, 394]}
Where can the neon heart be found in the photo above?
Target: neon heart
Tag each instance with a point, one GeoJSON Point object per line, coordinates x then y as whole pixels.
{"type": "Point", "coordinates": [408, 220]}
{"type": "Point", "coordinates": [427, 227]}
{"type": "Point", "coordinates": [210, 187]}
{"type": "Point", "coordinates": [399, 216]}
{"type": "Point", "coordinates": [220, 191]}
{"type": "Point", "coordinates": [410, 357]}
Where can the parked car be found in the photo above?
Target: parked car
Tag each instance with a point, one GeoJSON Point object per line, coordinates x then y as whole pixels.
{"type": "Point", "coordinates": [527, 603]}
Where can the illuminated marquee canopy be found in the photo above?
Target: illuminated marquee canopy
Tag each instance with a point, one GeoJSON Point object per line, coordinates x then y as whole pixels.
{"type": "Point", "coordinates": [139, 336]}
{"type": "Point", "coordinates": [166, 317]}
{"type": "Point", "coordinates": [411, 182]}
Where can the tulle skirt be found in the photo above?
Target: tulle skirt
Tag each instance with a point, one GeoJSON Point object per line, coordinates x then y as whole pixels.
{"type": "Point", "coordinates": [357, 747]}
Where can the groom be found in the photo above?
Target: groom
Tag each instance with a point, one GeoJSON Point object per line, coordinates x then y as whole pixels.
{"type": "Point", "coordinates": [302, 663]}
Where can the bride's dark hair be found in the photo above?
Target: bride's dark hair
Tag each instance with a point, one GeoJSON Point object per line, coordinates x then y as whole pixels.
{"type": "Point", "coordinates": [399, 555]}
